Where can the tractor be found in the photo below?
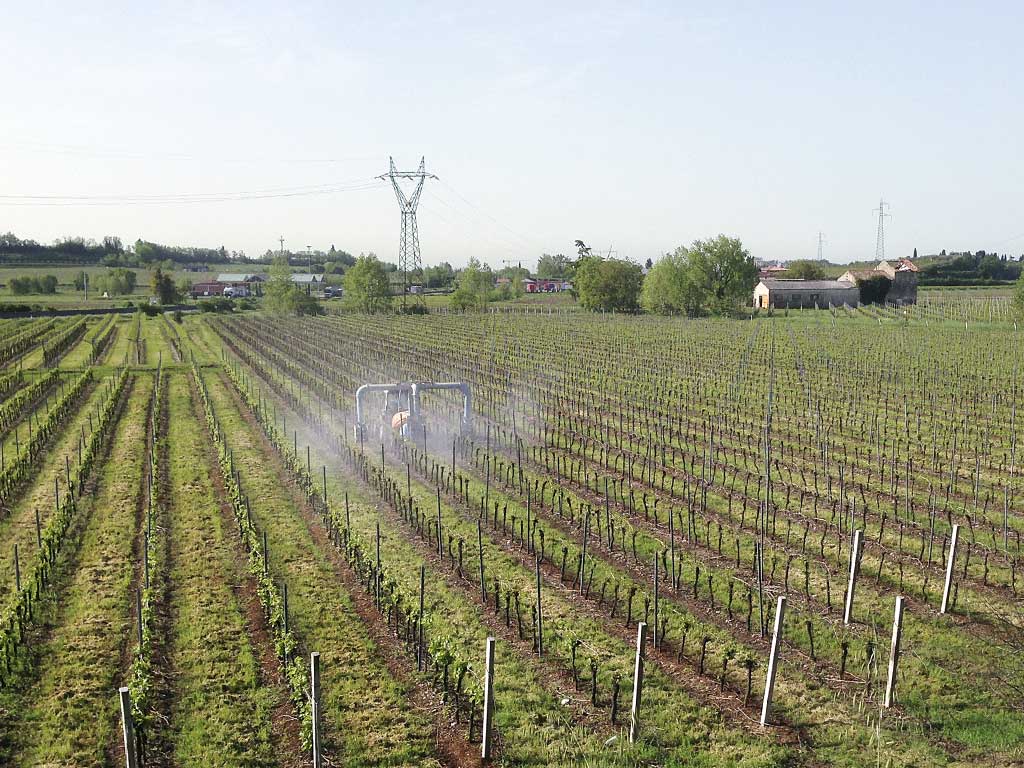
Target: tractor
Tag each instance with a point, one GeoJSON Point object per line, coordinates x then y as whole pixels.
{"type": "Point", "coordinates": [401, 412]}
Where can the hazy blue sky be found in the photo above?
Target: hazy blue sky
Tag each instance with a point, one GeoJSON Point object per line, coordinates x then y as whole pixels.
{"type": "Point", "coordinates": [636, 126]}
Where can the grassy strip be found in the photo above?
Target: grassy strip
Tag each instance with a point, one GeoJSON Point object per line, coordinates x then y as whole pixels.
{"type": "Point", "coordinates": [41, 492]}
{"type": "Point", "coordinates": [221, 712]}
{"type": "Point", "coordinates": [24, 341]}
{"type": "Point", "coordinates": [153, 582]}
{"type": "Point", "coordinates": [20, 611]}
{"type": "Point", "coordinates": [367, 717]}
{"type": "Point", "coordinates": [271, 597]}
{"type": "Point", "coordinates": [20, 469]}
{"type": "Point", "coordinates": [69, 716]}
{"type": "Point", "coordinates": [62, 343]}
{"type": "Point", "coordinates": [11, 411]}
{"type": "Point", "coordinates": [11, 383]}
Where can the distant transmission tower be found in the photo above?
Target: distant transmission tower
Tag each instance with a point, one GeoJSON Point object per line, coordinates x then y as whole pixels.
{"type": "Point", "coordinates": [880, 241]}
{"type": "Point", "coordinates": [821, 246]}
{"type": "Point", "coordinates": [409, 244]}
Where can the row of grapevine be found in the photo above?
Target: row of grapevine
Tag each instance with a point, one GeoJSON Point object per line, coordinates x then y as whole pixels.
{"type": "Point", "coordinates": [20, 612]}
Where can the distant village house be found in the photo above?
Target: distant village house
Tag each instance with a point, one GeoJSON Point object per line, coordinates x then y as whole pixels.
{"type": "Point", "coordinates": [902, 273]}
{"type": "Point", "coordinates": [804, 294]}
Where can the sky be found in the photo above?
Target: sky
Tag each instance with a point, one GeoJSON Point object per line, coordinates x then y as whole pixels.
{"type": "Point", "coordinates": [634, 127]}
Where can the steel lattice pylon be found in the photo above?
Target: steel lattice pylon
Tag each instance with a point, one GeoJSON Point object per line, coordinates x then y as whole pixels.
{"type": "Point", "coordinates": [880, 237]}
{"type": "Point", "coordinates": [409, 260]}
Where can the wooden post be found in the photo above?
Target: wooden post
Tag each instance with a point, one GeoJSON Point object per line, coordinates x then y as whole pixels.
{"type": "Point", "coordinates": [419, 624]}
{"type": "Point", "coordinates": [138, 610]}
{"type": "Point", "coordinates": [440, 544]}
{"type": "Point", "coordinates": [376, 586]}
{"type": "Point", "coordinates": [894, 652]}
{"type": "Point", "coordinates": [949, 569]}
{"type": "Point", "coordinates": [488, 725]}
{"type": "Point", "coordinates": [17, 570]}
{"type": "Point", "coordinates": [638, 682]}
{"type": "Point", "coordinates": [127, 728]}
{"type": "Point", "coordinates": [540, 621]}
{"type": "Point", "coordinates": [773, 659]}
{"type": "Point", "coordinates": [583, 551]}
{"type": "Point", "coordinates": [314, 691]}
{"type": "Point", "coordinates": [852, 584]}
{"type": "Point", "coordinates": [656, 606]}
{"type": "Point", "coordinates": [480, 550]}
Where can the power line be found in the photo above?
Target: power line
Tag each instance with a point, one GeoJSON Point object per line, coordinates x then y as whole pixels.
{"type": "Point", "coordinates": [81, 150]}
{"type": "Point", "coordinates": [526, 240]}
{"type": "Point", "coordinates": [184, 197]}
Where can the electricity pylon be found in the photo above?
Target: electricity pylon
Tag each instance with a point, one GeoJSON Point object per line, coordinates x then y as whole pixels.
{"type": "Point", "coordinates": [880, 239]}
{"type": "Point", "coordinates": [409, 244]}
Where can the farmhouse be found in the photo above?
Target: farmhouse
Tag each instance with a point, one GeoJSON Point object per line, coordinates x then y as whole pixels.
{"type": "Point", "coordinates": [213, 288]}
{"type": "Point", "coordinates": [542, 285]}
{"type": "Point", "coordinates": [239, 278]}
{"type": "Point", "coordinates": [902, 273]}
{"type": "Point", "coordinates": [804, 294]}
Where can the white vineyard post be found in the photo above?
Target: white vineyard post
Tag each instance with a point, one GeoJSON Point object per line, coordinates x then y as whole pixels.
{"type": "Point", "coordinates": [949, 569]}
{"type": "Point", "coordinates": [773, 660]}
{"type": "Point", "coordinates": [127, 728]}
{"type": "Point", "coordinates": [894, 652]}
{"type": "Point", "coordinates": [852, 585]}
{"type": "Point", "coordinates": [638, 682]}
{"type": "Point", "coordinates": [314, 696]}
{"type": "Point", "coordinates": [488, 724]}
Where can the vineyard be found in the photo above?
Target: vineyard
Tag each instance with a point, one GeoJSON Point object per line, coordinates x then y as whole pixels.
{"type": "Point", "coordinates": [779, 541]}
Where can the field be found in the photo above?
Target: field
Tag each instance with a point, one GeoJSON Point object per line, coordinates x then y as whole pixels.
{"type": "Point", "coordinates": [190, 510]}
{"type": "Point", "coordinates": [67, 297]}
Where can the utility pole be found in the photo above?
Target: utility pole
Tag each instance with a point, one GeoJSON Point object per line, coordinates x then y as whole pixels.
{"type": "Point", "coordinates": [309, 259]}
{"type": "Point", "coordinates": [880, 239]}
{"type": "Point", "coordinates": [281, 240]}
{"type": "Point", "coordinates": [821, 249]}
{"type": "Point", "coordinates": [409, 243]}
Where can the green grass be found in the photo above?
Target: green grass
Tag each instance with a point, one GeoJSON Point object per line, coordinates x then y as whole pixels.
{"type": "Point", "coordinates": [367, 720]}
{"type": "Point", "coordinates": [70, 716]}
{"type": "Point", "coordinates": [221, 709]}
{"type": "Point", "coordinates": [18, 524]}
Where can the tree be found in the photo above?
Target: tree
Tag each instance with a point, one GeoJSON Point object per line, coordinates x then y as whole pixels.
{"type": "Point", "coordinates": [474, 287]}
{"type": "Point", "coordinates": [1018, 297]}
{"type": "Point", "coordinates": [874, 289]}
{"type": "Point", "coordinates": [915, 253]}
{"type": "Point", "coordinates": [669, 287]}
{"type": "Point", "coordinates": [649, 264]}
{"type": "Point", "coordinates": [367, 287]}
{"type": "Point", "coordinates": [550, 267]}
{"type": "Point", "coordinates": [805, 269]}
{"type": "Point", "coordinates": [115, 282]}
{"type": "Point", "coordinates": [26, 284]}
{"type": "Point", "coordinates": [80, 280]}
{"type": "Point", "coordinates": [283, 295]}
{"type": "Point", "coordinates": [440, 276]}
{"type": "Point", "coordinates": [162, 286]}
{"type": "Point", "coordinates": [725, 271]}
{"type": "Point", "coordinates": [183, 288]}
{"type": "Point", "coordinates": [608, 284]}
